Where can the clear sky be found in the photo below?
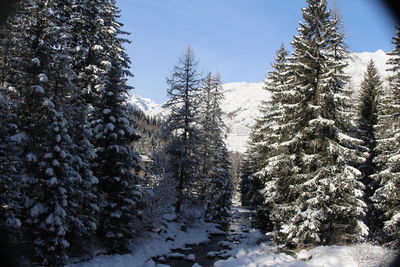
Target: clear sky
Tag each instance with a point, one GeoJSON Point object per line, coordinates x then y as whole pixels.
{"type": "Point", "coordinates": [237, 38]}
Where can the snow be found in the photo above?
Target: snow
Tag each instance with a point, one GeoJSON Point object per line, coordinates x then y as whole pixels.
{"type": "Point", "coordinates": [47, 102]}
{"type": "Point", "coordinates": [249, 248]}
{"type": "Point", "coordinates": [176, 255]}
{"type": "Point", "coordinates": [38, 89]}
{"type": "Point", "coordinates": [37, 209]}
{"type": "Point", "coordinates": [240, 106]}
{"type": "Point", "coordinates": [43, 78]}
{"type": "Point", "coordinates": [19, 137]}
{"type": "Point", "coordinates": [251, 252]}
{"type": "Point", "coordinates": [36, 61]}
{"type": "Point", "coordinates": [144, 104]}
{"type": "Point", "coordinates": [110, 126]}
{"type": "Point", "coordinates": [151, 245]}
{"type": "Point", "coordinates": [106, 111]}
{"type": "Point", "coordinates": [266, 254]}
{"type": "Point", "coordinates": [191, 257]}
{"type": "Point", "coordinates": [49, 171]}
{"type": "Point", "coordinates": [169, 217]}
{"type": "Point", "coordinates": [97, 48]}
{"type": "Point", "coordinates": [107, 64]}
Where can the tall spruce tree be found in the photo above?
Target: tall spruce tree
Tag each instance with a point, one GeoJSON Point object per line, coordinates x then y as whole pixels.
{"type": "Point", "coordinates": [322, 201]}
{"type": "Point", "coordinates": [371, 88]}
{"type": "Point", "coordinates": [113, 132]}
{"type": "Point", "coordinates": [386, 197]}
{"type": "Point", "coordinates": [266, 136]}
{"type": "Point", "coordinates": [181, 125]}
{"type": "Point", "coordinates": [60, 205]}
{"type": "Point", "coordinates": [39, 77]}
{"type": "Point", "coordinates": [11, 163]}
{"type": "Point", "coordinates": [215, 174]}
{"type": "Point", "coordinates": [249, 184]}
{"type": "Point", "coordinates": [11, 166]}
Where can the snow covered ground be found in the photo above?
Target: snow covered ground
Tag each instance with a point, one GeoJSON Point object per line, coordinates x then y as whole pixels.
{"type": "Point", "coordinates": [153, 245]}
{"type": "Point", "coordinates": [252, 251]}
{"type": "Point", "coordinates": [265, 254]}
{"type": "Point", "coordinates": [243, 247]}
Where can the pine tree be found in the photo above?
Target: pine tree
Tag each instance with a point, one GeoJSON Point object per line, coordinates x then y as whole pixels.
{"type": "Point", "coordinates": [317, 195]}
{"type": "Point", "coordinates": [39, 72]}
{"type": "Point", "coordinates": [386, 197]}
{"type": "Point", "coordinates": [11, 163]}
{"type": "Point", "coordinates": [215, 175]}
{"type": "Point", "coordinates": [11, 166]}
{"type": "Point", "coordinates": [265, 138]}
{"type": "Point", "coordinates": [245, 185]}
{"type": "Point", "coordinates": [371, 88]}
{"type": "Point", "coordinates": [113, 131]}
{"type": "Point", "coordinates": [181, 125]}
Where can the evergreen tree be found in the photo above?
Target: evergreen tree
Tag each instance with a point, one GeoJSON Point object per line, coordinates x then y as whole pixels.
{"type": "Point", "coordinates": [386, 197]}
{"type": "Point", "coordinates": [181, 126]}
{"type": "Point", "coordinates": [215, 175]}
{"type": "Point", "coordinates": [11, 165]}
{"type": "Point", "coordinates": [371, 88]}
{"type": "Point", "coordinates": [39, 72]}
{"type": "Point", "coordinates": [266, 136]}
{"type": "Point", "coordinates": [46, 152]}
{"type": "Point", "coordinates": [316, 194]}
{"type": "Point", "coordinates": [113, 131]}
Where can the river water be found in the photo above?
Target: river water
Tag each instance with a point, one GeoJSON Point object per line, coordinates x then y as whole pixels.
{"type": "Point", "coordinates": [218, 248]}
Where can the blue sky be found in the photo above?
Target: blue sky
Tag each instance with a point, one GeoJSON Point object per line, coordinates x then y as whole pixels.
{"type": "Point", "coordinates": [237, 38]}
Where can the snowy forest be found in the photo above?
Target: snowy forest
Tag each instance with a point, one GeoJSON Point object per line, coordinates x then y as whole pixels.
{"type": "Point", "coordinates": [322, 168]}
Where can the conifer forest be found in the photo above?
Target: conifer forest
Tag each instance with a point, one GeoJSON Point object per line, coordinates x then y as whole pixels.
{"type": "Point", "coordinates": [88, 179]}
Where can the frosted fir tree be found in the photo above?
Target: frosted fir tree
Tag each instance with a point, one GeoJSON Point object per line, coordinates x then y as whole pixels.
{"type": "Point", "coordinates": [386, 197]}
{"type": "Point", "coordinates": [40, 76]}
{"type": "Point", "coordinates": [113, 132]}
{"type": "Point", "coordinates": [45, 220]}
{"type": "Point", "coordinates": [215, 175]}
{"type": "Point", "coordinates": [266, 137]}
{"type": "Point", "coordinates": [245, 181]}
{"type": "Point", "coordinates": [72, 103]}
{"type": "Point", "coordinates": [371, 89]}
{"type": "Point", "coordinates": [324, 195]}
{"type": "Point", "coordinates": [11, 168]}
{"type": "Point", "coordinates": [84, 20]}
{"type": "Point", "coordinates": [11, 162]}
{"type": "Point", "coordinates": [181, 126]}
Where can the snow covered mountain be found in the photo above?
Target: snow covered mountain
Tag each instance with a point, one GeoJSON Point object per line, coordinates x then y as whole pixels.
{"type": "Point", "coordinates": [243, 99]}
{"type": "Point", "coordinates": [141, 103]}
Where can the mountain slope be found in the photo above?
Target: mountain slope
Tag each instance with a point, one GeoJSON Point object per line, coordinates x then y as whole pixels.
{"type": "Point", "coordinates": [141, 103]}
{"type": "Point", "coordinates": [243, 99]}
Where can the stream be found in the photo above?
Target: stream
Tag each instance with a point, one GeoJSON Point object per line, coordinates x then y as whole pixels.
{"type": "Point", "coordinates": [219, 245]}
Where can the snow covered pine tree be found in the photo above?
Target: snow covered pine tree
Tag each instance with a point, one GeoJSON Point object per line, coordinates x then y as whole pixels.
{"type": "Point", "coordinates": [387, 196]}
{"type": "Point", "coordinates": [266, 136]}
{"type": "Point", "coordinates": [215, 175]}
{"type": "Point", "coordinates": [323, 195]}
{"type": "Point", "coordinates": [181, 126]}
{"type": "Point", "coordinates": [40, 77]}
{"type": "Point", "coordinates": [113, 132]}
{"type": "Point", "coordinates": [371, 89]}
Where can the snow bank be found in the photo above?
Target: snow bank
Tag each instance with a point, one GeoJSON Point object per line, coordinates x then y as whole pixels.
{"type": "Point", "coordinates": [154, 245]}
{"type": "Point", "coordinates": [365, 255]}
